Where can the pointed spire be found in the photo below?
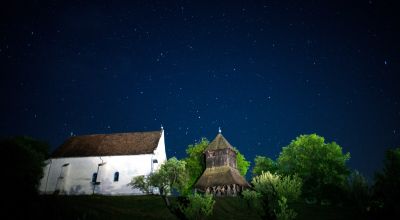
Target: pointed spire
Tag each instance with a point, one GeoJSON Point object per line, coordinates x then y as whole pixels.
{"type": "Point", "coordinates": [162, 128]}
{"type": "Point", "coordinates": [219, 130]}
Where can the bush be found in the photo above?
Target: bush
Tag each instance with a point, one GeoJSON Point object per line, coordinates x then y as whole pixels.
{"type": "Point", "coordinates": [271, 194]}
{"type": "Point", "coordinates": [199, 207]}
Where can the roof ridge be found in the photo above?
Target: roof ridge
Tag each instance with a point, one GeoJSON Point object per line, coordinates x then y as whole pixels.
{"type": "Point", "coordinates": [219, 143]}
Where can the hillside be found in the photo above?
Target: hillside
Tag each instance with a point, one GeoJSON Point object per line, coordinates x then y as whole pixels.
{"type": "Point", "coordinates": [152, 207]}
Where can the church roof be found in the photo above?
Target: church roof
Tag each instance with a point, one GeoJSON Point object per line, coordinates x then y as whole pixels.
{"type": "Point", "coordinates": [219, 176]}
{"type": "Point", "coordinates": [133, 143]}
{"type": "Point", "coordinates": [219, 143]}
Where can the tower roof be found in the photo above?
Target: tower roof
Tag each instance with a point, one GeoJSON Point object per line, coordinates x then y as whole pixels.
{"type": "Point", "coordinates": [219, 176]}
{"type": "Point", "coordinates": [219, 143]}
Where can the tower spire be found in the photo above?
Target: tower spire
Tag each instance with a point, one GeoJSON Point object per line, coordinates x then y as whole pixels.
{"type": "Point", "coordinates": [219, 130]}
{"type": "Point", "coordinates": [162, 128]}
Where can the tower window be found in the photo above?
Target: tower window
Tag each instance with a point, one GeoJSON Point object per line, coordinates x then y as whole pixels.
{"type": "Point", "coordinates": [116, 176]}
{"type": "Point", "coordinates": [155, 161]}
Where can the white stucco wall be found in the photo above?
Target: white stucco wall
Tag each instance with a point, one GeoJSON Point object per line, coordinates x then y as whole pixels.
{"type": "Point", "coordinates": [73, 175]}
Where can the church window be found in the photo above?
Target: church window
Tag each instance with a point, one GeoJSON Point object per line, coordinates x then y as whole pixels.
{"type": "Point", "coordinates": [116, 176]}
{"type": "Point", "coordinates": [94, 177]}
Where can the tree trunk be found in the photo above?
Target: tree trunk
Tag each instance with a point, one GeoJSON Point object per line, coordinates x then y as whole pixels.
{"type": "Point", "coordinates": [176, 211]}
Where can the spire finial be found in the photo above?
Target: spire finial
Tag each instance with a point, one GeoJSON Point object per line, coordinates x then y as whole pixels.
{"type": "Point", "coordinates": [219, 130]}
{"type": "Point", "coordinates": [162, 128]}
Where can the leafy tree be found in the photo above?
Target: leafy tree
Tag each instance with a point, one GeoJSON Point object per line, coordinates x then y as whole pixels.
{"type": "Point", "coordinates": [27, 167]}
{"type": "Point", "coordinates": [272, 193]}
{"type": "Point", "coordinates": [387, 184]}
{"type": "Point", "coordinates": [264, 164]}
{"type": "Point", "coordinates": [172, 175]}
{"type": "Point", "coordinates": [195, 163]}
{"type": "Point", "coordinates": [358, 190]}
{"type": "Point", "coordinates": [321, 166]}
{"type": "Point", "coordinates": [241, 163]}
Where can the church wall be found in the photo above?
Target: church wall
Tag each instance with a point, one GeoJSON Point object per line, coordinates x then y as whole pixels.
{"type": "Point", "coordinates": [73, 176]}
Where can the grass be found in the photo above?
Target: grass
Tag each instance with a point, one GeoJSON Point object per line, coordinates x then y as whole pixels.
{"type": "Point", "coordinates": [153, 207]}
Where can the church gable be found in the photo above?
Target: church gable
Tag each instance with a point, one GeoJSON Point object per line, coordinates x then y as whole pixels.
{"type": "Point", "coordinates": [133, 143]}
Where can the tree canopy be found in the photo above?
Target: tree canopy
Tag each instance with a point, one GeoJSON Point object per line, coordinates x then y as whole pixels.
{"type": "Point", "coordinates": [170, 176]}
{"type": "Point", "coordinates": [321, 166]}
{"type": "Point", "coordinates": [195, 163]}
{"type": "Point", "coordinates": [28, 157]}
{"type": "Point", "coordinates": [387, 183]}
{"type": "Point", "coordinates": [241, 163]}
{"type": "Point", "coordinates": [263, 164]}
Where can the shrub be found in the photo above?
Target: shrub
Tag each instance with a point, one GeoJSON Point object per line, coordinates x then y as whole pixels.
{"type": "Point", "coordinates": [199, 206]}
{"type": "Point", "coordinates": [271, 194]}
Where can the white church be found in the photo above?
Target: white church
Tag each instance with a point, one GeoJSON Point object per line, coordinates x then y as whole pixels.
{"type": "Point", "coordinates": [103, 163]}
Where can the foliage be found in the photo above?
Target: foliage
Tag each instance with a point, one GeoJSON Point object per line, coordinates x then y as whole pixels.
{"type": "Point", "coordinates": [321, 166]}
{"type": "Point", "coordinates": [387, 183]}
{"type": "Point", "coordinates": [199, 206]}
{"type": "Point", "coordinates": [27, 167]}
{"type": "Point", "coordinates": [358, 190]}
{"type": "Point", "coordinates": [271, 194]}
{"type": "Point", "coordinates": [241, 163]}
{"type": "Point", "coordinates": [195, 163]}
{"type": "Point", "coordinates": [171, 175]}
{"type": "Point", "coordinates": [264, 164]}
{"type": "Point", "coordinates": [141, 183]}
{"type": "Point", "coordinates": [285, 213]}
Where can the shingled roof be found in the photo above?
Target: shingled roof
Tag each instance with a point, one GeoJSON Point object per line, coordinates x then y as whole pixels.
{"type": "Point", "coordinates": [219, 176]}
{"type": "Point", "coordinates": [109, 144]}
{"type": "Point", "coordinates": [219, 143]}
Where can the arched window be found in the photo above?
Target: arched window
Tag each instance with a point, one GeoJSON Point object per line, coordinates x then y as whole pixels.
{"type": "Point", "coordinates": [116, 176]}
{"type": "Point", "coordinates": [94, 177]}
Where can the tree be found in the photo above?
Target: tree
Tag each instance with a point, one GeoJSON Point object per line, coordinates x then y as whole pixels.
{"type": "Point", "coordinates": [241, 163]}
{"type": "Point", "coordinates": [172, 175]}
{"type": "Point", "coordinates": [321, 166]}
{"type": "Point", "coordinates": [264, 164]}
{"type": "Point", "coordinates": [272, 193]}
{"type": "Point", "coordinates": [27, 167]}
{"type": "Point", "coordinates": [387, 184]}
{"type": "Point", "coordinates": [358, 190]}
{"type": "Point", "coordinates": [195, 163]}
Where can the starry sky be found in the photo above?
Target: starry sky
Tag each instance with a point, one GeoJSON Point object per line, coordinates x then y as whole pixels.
{"type": "Point", "coordinates": [265, 71]}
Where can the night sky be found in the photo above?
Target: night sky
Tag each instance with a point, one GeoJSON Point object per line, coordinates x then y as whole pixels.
{"type": "Point", "coordinates": [265, 72]}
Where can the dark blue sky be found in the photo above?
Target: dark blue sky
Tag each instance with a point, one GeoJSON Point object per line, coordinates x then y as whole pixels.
{"type": "Point", "coordinates": [265, 72]}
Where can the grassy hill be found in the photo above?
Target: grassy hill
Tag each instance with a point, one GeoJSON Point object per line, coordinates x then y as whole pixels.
{"type": "Point", "coordinates": [152, 207]}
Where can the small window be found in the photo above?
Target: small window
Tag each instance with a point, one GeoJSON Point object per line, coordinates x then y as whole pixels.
{"type": "Point", "coordinates": [116, 176]}
{"type": "Point", "coordinates": [94, 177]}
{"type": "Point", "coordinates": [155, 161]}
